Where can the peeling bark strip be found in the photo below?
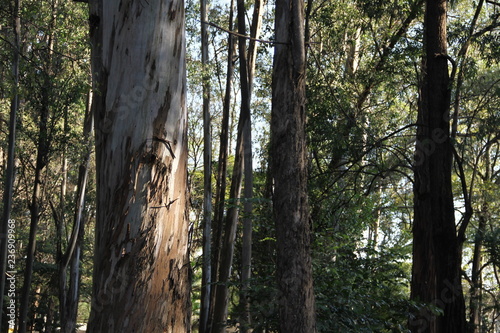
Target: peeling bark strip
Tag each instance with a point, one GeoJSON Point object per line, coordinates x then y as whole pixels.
{"type": "Point", "coordinates": [140, 281]}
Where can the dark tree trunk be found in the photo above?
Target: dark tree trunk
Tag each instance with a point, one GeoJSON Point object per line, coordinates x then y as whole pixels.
{"type": "Point", "coordinates": [436, 276]}
{"type": "Point", "coordinates": [244, 124]}
{"type": "Point", "coordinates": [218, 223]}
{"type": "Point", "coordinates": [289, 171]}
{"type": "Point", "coordinates": [35, 206]}
{"type": "Point", "coordinates": [206, 284]}
{"type": "Point", "coordinates": [10, 171]}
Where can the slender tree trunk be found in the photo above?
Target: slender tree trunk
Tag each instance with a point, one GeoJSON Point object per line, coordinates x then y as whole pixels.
{"type": "Point", "coordinates": [206, 284]}
{"type": "Point", "coordinates": [222, 168]}
{"type": "Point", "coordinates": [10, 170]}
{"type": "Point", "coordinates": [352, 51]}
{"type": "Point", "coordinates": [226, 261]}
{"type": "Point", "coordinates": [35, 206]}
{"type": "Point", "coordinates": [255, 30]}
{"type": "Point", "coordinates": [246, 257]}
{"type": "Point", "coordinates": [141, 264]}
{"type": "Point", "coordinates": [477, 257]}
{"type": "Point", "coordinates": [221, 294]}
{"type": "Point", "coordinates": [68, 301]}
{"type": "Point", "coordinates": [436, 275]}
{"type": "Point", "coordinates": [246, 260]}
{"type": "Point", "coordinates": [73, 294]}
{"type": "Point", "coordinates": [289, 170]}
{"type": "Point", "coordinates": [476, 275]}
{"type": "Point", "coordinates": [42, 159]}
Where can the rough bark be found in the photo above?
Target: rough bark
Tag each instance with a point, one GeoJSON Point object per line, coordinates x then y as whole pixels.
{"type": "Point", "coordinates": [289, 170]}
{"type": "Point", "coordinates": [436, 276]}
{"type": "Point", "coordinates": [141, 268]}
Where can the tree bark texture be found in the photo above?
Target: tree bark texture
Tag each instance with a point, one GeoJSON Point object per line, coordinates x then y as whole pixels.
{"type": "Point", "coordinates": [289, 170]}
{"type": "Point", "coordinates": [141, 268]}
{"type": "Point", "coordinates": [436, 276]}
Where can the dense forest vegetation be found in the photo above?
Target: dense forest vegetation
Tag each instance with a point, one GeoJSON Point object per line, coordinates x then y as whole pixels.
{"type": "Point", "coordinates": [250, 166]}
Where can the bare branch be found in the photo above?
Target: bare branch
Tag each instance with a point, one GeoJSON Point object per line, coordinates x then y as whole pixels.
{"type": "Point", "coordinates": [243, 36]}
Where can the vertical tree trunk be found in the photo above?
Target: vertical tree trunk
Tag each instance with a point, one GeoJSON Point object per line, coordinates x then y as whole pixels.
{"type": "Point", "coordinates": [244, 125]}
{"type": "Point", "coordinates": [206, 284]}
{"type": "Point", "coordinates": [246, 256]}
{"type": "Point", "coordinates": [436, 276]}
{"type": "Point", "coordinates": [477, 257]}
{"type": "Point", "coordinates": [222, 167]}
{"type": "Point", "coordinates": [246, 253]}
{"type": "Point", "coordinates": [35, 206]}
{"type": "Point", "coordinates": [227, 248]}
{"type": "Point", "coordinates": [476, 275]}
{"type": "Point", "coordinates": [141, 268]}
{"type": "Point", "coordinates": [289, 170]}
{"type": "Point", "coordinates": [10, 171]}
{"type": "Point", "coordinates": [42, 159]}
{"type": "Point", "coordinates": [68, 300]}
{"type": "Point", "coordinates": [252, 44]}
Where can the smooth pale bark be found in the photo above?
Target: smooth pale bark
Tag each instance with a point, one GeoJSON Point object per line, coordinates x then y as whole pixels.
{"type": "Point", "coordinates": [10, 170]}
{"type": "Point", "coordinates": [141, 264]}
{"type": "Point", "coordinates": [476, 274]}
{"type": "Point", "coordinates": [206, 284]}
{"type": "Point", "coordinates": [289, 171]}
{"type": "Point", "coordinates": [255, 30]}
{"type": "Point", "coordinates": [246, 251]}
{"type": "Point", "coordinates": [436, 275]}
{"type": "Point", "coordinates": [227, 247]}
{"type": "Point", "coordinates": [68, 292]}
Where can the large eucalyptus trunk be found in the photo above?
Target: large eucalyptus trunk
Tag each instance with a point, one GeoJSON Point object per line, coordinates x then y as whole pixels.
{"type": "Point", "coordinates": [436, 278]}
{"type": "Point", "coordinates": [141, 268]}
{"type": "Point", "coordinates": [289, 170]}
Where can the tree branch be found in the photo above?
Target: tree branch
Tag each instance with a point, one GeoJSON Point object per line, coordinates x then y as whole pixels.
{"type": "Point", "coordinates": [243, 36]}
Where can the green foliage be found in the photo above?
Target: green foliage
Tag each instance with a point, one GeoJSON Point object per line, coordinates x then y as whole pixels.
{"type": "Point", "coordinates": [362, 294]}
